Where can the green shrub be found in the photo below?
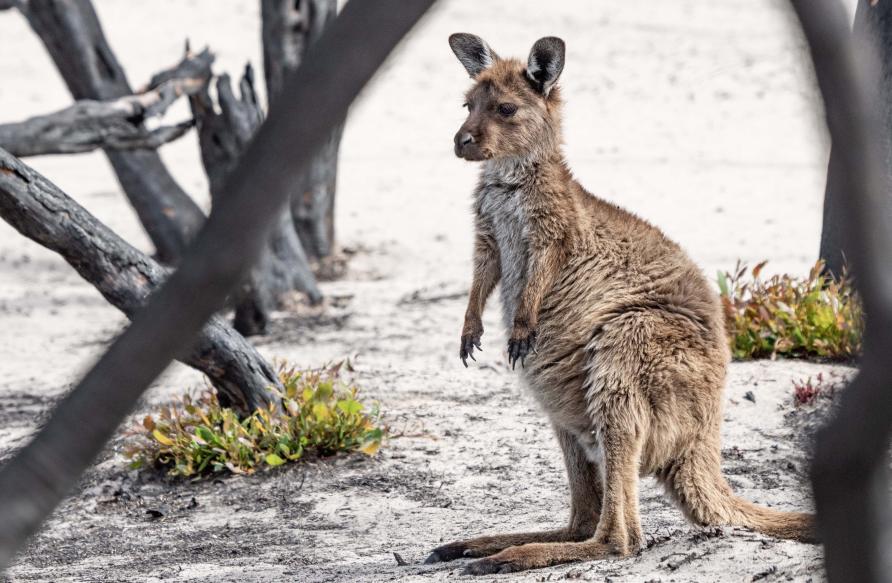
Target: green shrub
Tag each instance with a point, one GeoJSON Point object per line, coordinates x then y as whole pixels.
{"type": "Point", "coordinates": [818, 316]}
{"type": "Point", "coordinates": [320, 415]}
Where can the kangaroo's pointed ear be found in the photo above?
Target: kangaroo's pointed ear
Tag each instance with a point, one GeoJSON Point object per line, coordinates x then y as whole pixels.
{"type": "Point", "coordinates": [472, 51]}
{"type": "Point", "coordinates": [545, 63]}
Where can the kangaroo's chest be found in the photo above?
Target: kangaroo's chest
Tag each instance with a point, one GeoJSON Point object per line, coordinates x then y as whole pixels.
{"type": "Point", "coordinates": [502, 208]}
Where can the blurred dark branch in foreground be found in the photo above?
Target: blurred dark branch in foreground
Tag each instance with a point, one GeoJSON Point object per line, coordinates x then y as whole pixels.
{"type": "Point", "coordinates": [338, 66]}
{"type": "Point", "coordinates": [71, 33]}
{"type": "Point", "coordinates": [850, 471]}
{"type": "Point", "coordinates": [126, 277]}
{"type": "Point", "coordinates": [873, 30]}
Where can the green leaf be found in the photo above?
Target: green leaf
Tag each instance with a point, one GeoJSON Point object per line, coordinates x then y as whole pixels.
{"type": "Point", "coordinates": [324, 391]}
{"type": "Point", "coordinates": [321, 412]}
{"type": "Point", "coordinates": [723, 283]}
{"type": "Point", "coordinates": [350, 406]}
{"type": "Point", "coordinates": [273, 460]}
{"type": "Point", "coordinates": [206, 434]}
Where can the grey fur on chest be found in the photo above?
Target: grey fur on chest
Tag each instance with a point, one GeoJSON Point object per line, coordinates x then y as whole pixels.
{"type": "Point", "coordinates": [500, 204]}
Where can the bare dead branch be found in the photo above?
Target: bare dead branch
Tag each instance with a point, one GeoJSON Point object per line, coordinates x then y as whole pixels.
{"type": "Point", "coordinates": [224, 136]}
{"type": "Point", "coordinates": [341, 63]}
{"type": "Point", "coordinates": [126, 277]}
{"type": "Point", "coordinates": [850, 472]}
{"type": "Point", "coordinates": [116, 124]}
{"type": "Point", "coordinates": [194, 69]}
{"type": "Point", "coordinates": [88, 125]}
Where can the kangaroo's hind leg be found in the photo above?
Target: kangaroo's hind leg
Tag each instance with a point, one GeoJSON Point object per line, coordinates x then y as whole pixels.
{"type": "Point", "coordinates": [619, 416]}
{"type": "Point", "coordinates": [619, 527]}
{"type": "Point", "coordinates": [585, 506]}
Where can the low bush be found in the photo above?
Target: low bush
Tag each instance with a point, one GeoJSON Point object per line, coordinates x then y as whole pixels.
{"type": "Point", "coordinates": [807, 391]}
{"type": "Point", "coordinates": [321, 414]}
{"type": "Point", "coordinates": [817, 316]}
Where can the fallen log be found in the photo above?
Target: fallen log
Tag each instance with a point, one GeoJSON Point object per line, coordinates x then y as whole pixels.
{"type": "Point", "coordinates": [126, 277]}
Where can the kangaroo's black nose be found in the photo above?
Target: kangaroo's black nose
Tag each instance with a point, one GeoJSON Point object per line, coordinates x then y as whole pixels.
{"type": "Point", "coordinates": [464, 138]}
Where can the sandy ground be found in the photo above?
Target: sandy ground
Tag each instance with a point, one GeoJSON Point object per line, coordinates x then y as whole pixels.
{"type": "Point", "coordinates": [698, 115]}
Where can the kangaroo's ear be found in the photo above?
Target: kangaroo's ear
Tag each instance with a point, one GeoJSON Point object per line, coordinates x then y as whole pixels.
{"type": "Point", "coordinates": [472, 51]}
{"type": "Point", "coordinates": [545, 63]}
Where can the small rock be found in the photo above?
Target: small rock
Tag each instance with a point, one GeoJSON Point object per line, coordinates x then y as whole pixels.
{"type": "Point", "coordinates": [157, 512]}
{"type": "Point", "coordinates": [749, 396]}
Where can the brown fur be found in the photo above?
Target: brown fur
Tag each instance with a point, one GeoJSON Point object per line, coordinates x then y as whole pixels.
{"type": "Point", "coordinates": [620, 337]}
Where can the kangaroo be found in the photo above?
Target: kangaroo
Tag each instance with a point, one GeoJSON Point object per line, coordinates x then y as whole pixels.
{"type": "Point", "coordinates": [619, 336]}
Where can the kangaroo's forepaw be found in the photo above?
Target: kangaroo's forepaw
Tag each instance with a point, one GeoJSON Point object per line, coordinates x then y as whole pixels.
{"type": "Point", "coordinates": [468, 343]}
{"type": "Point", "coordinates": [520, 345]}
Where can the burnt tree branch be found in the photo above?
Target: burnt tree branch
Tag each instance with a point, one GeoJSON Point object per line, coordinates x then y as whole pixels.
{"type": "Point", "coordinates": [126, 277]}
{"type": "Point", "coordinates": [72, 34]}
{"type": "Point", "coordinates": [88, 125]}
{"type": "Point", "coordinates": [192, 72]}
{"type": "Point", "coordinates": [341, 63]}
{"type": "Point", "coordinates": [223, 136]}
{"type": "Point", "coordinates": [850, 471]}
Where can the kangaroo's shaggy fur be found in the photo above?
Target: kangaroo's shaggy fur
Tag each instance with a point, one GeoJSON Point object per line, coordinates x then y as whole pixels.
{"type": "Point", "coordinates": [619, 335]}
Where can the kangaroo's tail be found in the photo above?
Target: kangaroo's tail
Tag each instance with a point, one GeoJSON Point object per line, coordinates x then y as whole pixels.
{"type": "Point", "coordinates": [697, 484]}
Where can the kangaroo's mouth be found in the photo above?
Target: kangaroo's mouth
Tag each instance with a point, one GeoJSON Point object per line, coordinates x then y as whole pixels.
{"type": "Point", "coordinates": [471, 152]}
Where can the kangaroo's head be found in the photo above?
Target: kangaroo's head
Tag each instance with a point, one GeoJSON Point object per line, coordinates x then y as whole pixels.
{"type": "Point", "coordinates": [513, 107]}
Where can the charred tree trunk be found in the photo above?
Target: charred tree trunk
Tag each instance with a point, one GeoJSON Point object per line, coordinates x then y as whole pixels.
{"type": "Point", "coordinates": [283, 265]}
{"type": "Point", "coordinates": [126, 277]}
{"type": "Point", "coordinates": [873, 26]}
{"type": "Point", "coordinates": [289, 28]}
{"type": "Point", "coordinates": [71, 32]}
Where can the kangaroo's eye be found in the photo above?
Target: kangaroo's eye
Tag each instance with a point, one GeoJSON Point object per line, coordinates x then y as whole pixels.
{"type": "Point", "coordinates": [507, 109]}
